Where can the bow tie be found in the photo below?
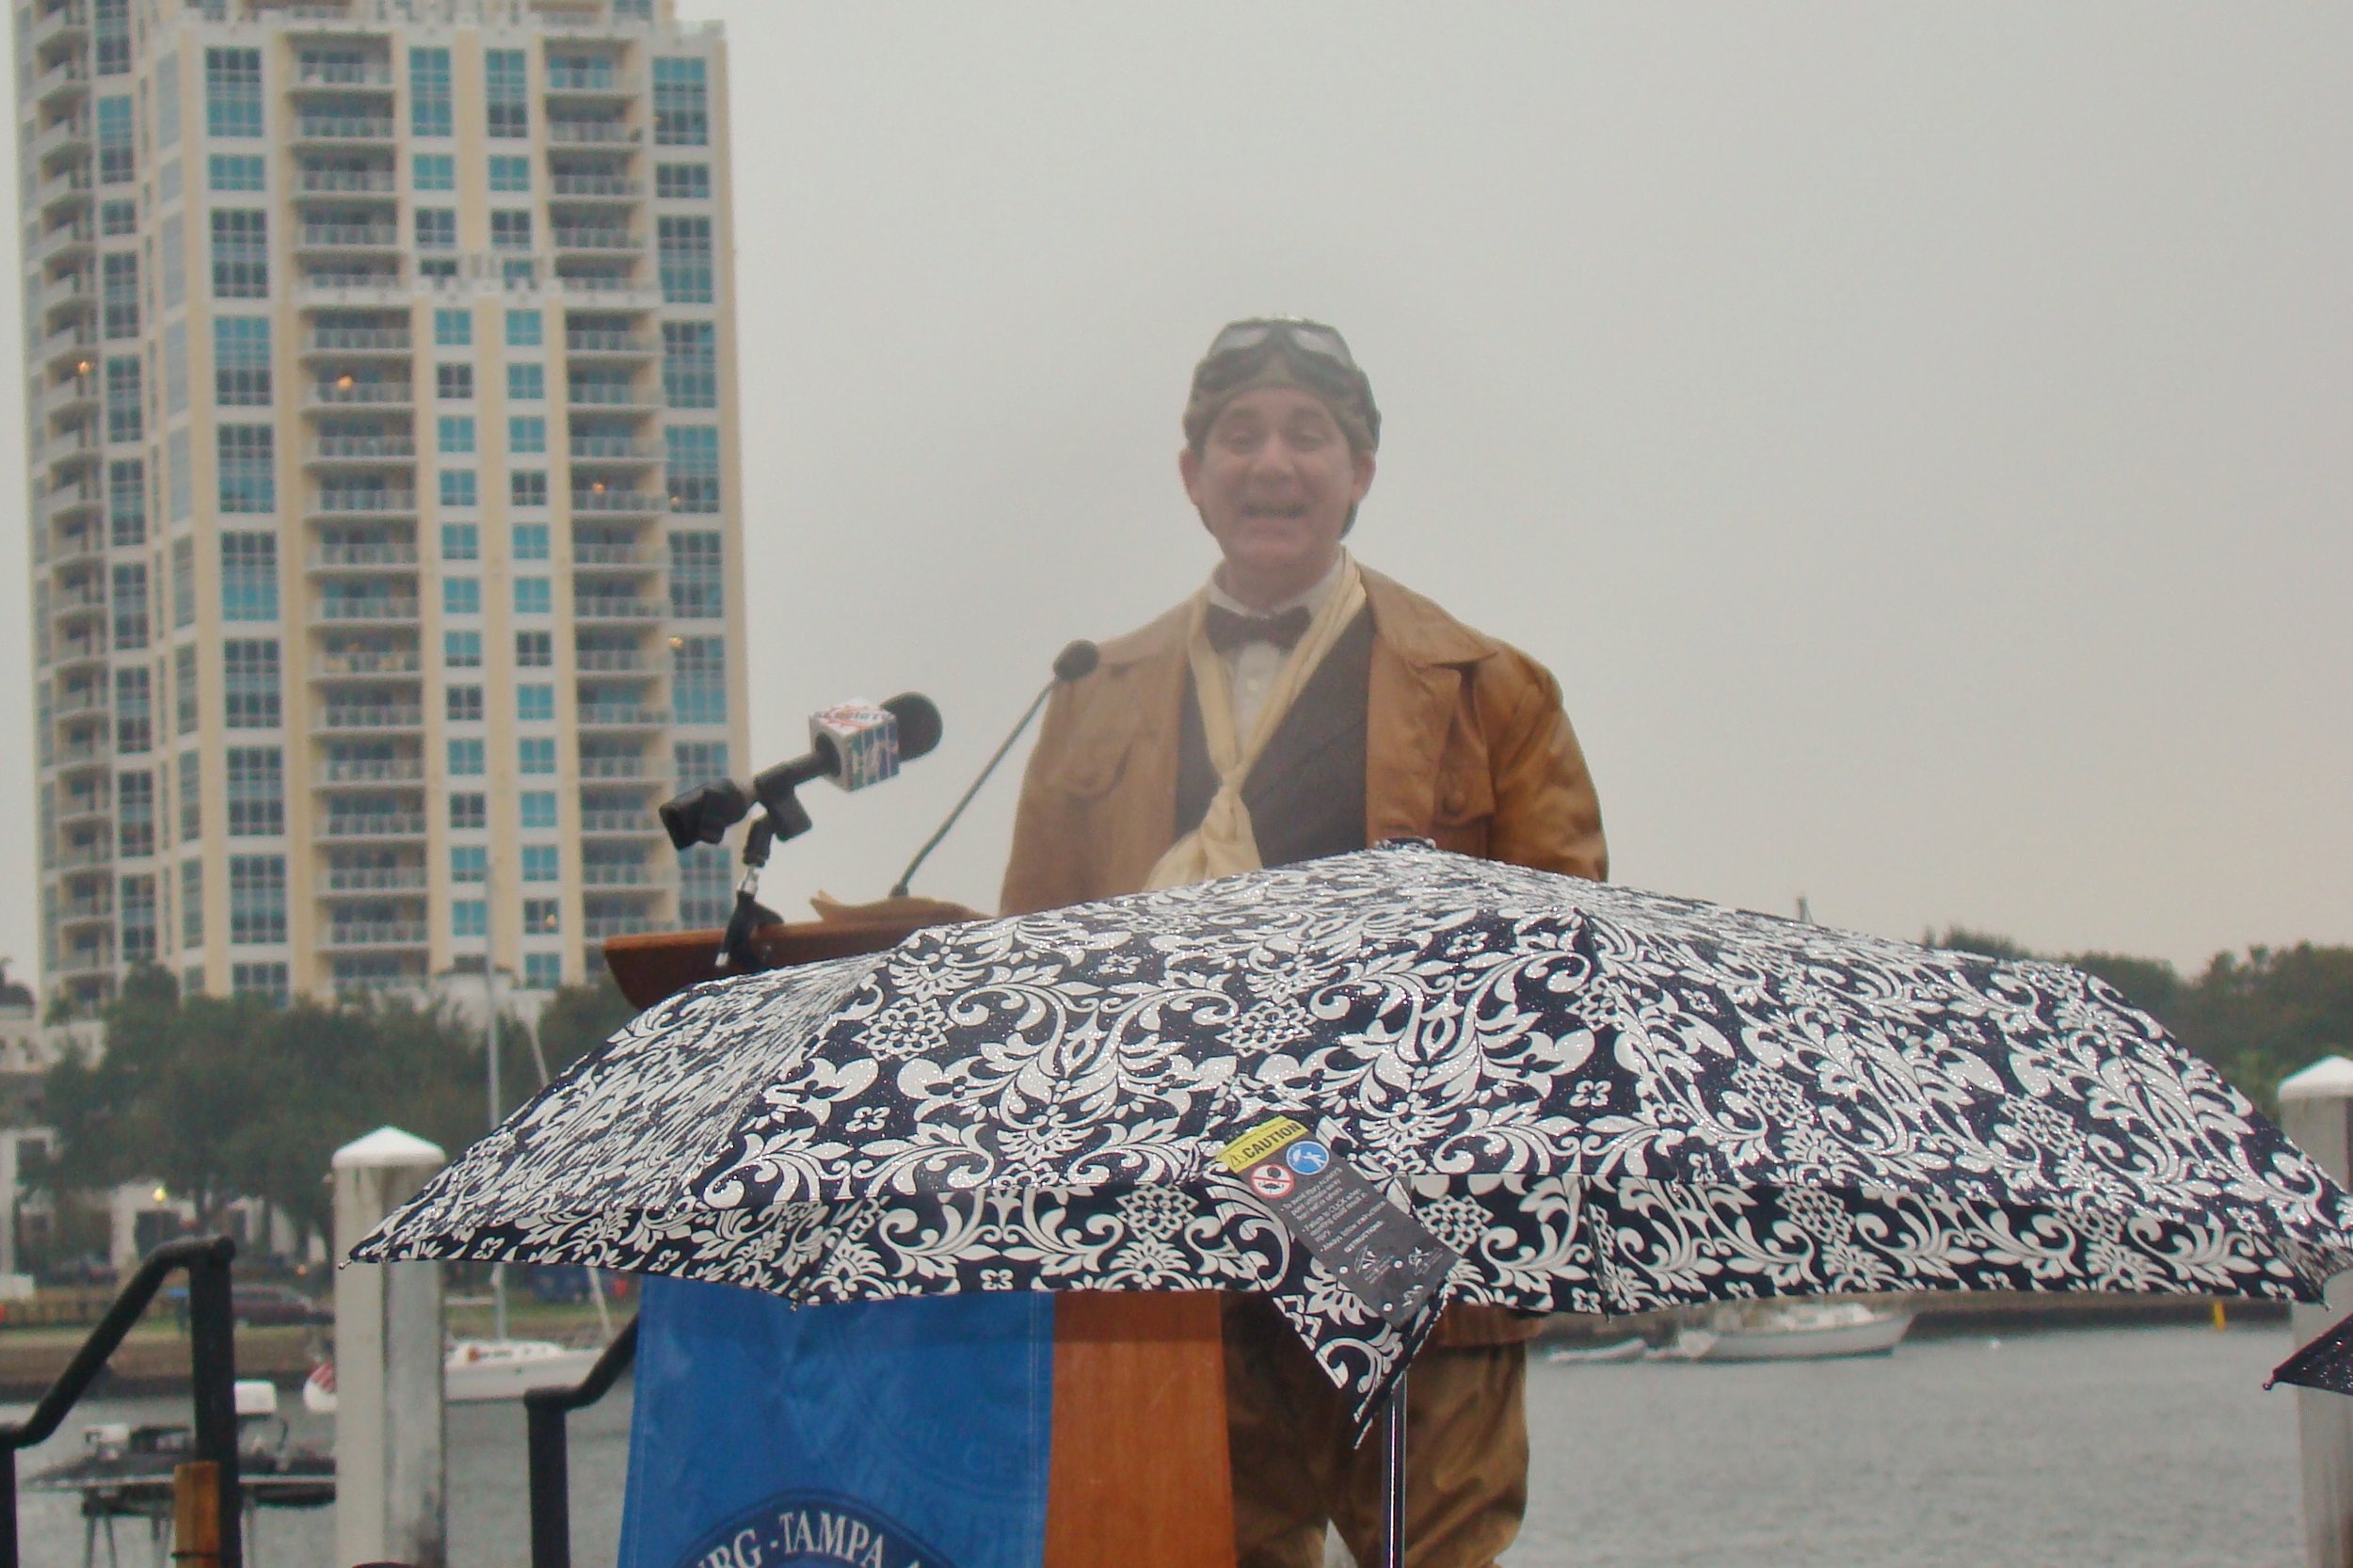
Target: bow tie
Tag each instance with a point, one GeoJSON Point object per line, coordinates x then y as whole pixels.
{"type": "Point", "coordinates": [1229, 631]}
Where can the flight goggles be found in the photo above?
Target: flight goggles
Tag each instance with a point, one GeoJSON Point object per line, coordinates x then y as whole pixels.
{"type": "Point", "coordinates": [1244, 353]}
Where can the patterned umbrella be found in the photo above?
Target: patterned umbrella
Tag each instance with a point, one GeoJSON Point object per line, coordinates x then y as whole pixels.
{"type": "Point", "coordinates": [1605, 1101]}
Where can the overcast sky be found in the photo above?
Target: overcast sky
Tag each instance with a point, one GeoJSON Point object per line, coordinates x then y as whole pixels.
{"type": "Point", "coordinates": [1919, 439]}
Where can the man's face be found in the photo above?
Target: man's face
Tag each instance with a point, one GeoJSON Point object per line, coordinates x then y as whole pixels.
{"type": "Point", "coordinates": [1275, 482]}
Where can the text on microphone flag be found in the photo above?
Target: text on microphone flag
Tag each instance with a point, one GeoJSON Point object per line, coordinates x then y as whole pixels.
{"type": "Point", "coordinates": [864, 737]}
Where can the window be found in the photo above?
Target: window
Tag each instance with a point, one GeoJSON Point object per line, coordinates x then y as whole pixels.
{"type": "Point", "coordinates": [114, 141]}
{"type": "Point", "coordinates": [682, 182]}
{"type": "Point", "coordinates": [528, 488]}
{"type": "Point", "coordinates": [699, 761]}
{"type": "Point", "coordinates": [249, 576]}
{"type": "Point", "coordinates": [697, 590]}
{"type": "Point", "coordinates": [526, 383]}
{"type": "Point", "coordinates": [467, 811]}
{"type": "Point", "coordinates": [112, 32]}
{"type": "Point", "coordinates": [437, 229]}
{"type": "Point", "coordinates": [681, 116]}
{"type": "Point", "coordinates": [698, 679]}
{"type": "Point", "coordinates": [432, 172]}
{"type": "Point", "coordinates": [455, 433]}
{"type": "Point", "coordinates": [248, 670]}
{"type": "Point", "coordinates": [541, 863]}
{"type": "Point", "coordinates": [534, 703]}
{"type": "Point", "coordinates": [506, 88]}
{"type": "Point", "coordinates": [249, 482]}
{"type": "Point", "coordinates": [176, 368]}
{"type": "Point", "coordinates": [121, 295]}
{"type": "Point", "coordinates": [459, 542]}
{"type": "Point", "coordinates": [183, 689]}
{"type": "Point", "coordinates": [257, 900]}
{"type": "Point", "coordinates": [510, 231]}
{"type": "Point", "coordinates": [183, 476]}
{"type": "Point", "coordinates": [535, 754]}
{"type": "Point", "coordinates": [127, 502]}
{"type": "Point", "coordinates": [523, 329]}
{"type": "Point", "coordinates": [454, 383]}
{"type": "Point", "coordinates": [453, 329]}
{"type": "Point", "coordinates": [428, 92]}
{"type": "Point", "coordinates": [465, 758]}
{"type": "Point", "coordinates": [684, 247]}
{"type": "Point", "coordinates": [267, 980]}
{"type": "Point", "coordinates": [531, 541]}
{"type": "Point", "coordinates": [464, 704]}
{"type": "Point", "coordinates": [690, 364]}
{"type": "Point", "coordinates": [632, 10]}
{"type": "Point", "coordinates": [138, 916]}
{"type": "Point", "coordinates": [509, 173]}
{"type": "Point", "coordinates": [130, 607]}
{"type": "Point", "coordinates": [526, 433]}
{"type": "Point", "coordinates": [458, 488]}
{"type": "Point", "coordinates": [241, 360]}
{"type": "Point", "coordinates": [117, 218]}
{"type": "Point", "coordinates": [542, 917]}
{"type": "Point", "coordinates": [135, 814]}
{"type": "Point", "coordinates": [706, 890]}
{"type": "Point", "coordinates": [171, 259]}
{"type": "Point", "coordinates": [543, 971]}
{"type": "Point", "coordinates": [470, 917]}
{"type": "Point", "coordinates": [461, 596]}
{"type": "Point", "coordinates": [257, 791]}
{"type": "Point", "coordinates": [468, 863]}
{"type": "Point", "coordinates": [235, 171]}
{"type": "Point", "coordinates": [240, 254]}
{"type": "Point", "coordinates": [533, 597]}
{"type": "Point", "coordinates": [461, 651]}
{"type": "Point", "coordinates": [191, 895]}
{"type": "Point", "coordinates": [134, 712]}
{"type": "Point", "coordinates": [124, 404]}
{"type": "Point", "coordinates": [233, 92]}
{"type": "Point", "coordinates": [535, 650]}
{"type": "Point", "coordinates": [191, 774]}
{"type": "Point", "coordinates": [538, 807]}
{"type": "Point", "coordinates": [519, 273]}
{"type": "Point", "coordinates": [183, 584]}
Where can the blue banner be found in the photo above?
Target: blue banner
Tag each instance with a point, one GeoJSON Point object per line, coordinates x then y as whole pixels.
{"type": "Point", "coordinates": [887, 1434]}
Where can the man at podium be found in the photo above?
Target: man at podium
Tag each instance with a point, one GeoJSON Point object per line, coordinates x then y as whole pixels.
{"type": "Point", "coordinates": [1299, 705]}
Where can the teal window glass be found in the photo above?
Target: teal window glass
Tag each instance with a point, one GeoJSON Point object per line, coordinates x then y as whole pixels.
{"type": "Point", "coordinates": [235, 171]}
{"type": "Point", "coordinates": [531, 541]}
{"type": "Point", "coordinates": [456, 433]}
{"type": "Point", "coordinates": [510, 173]}
{"type": "Point", "coordinates": [453, 329]}
{"type": "Point", "coordinates": [535, 754]}
{"type": "Point", "coordinates": [459, 542]}
{"type": "Point", "coordinates": [434, 171]}
{"type": "Point", "coordinates": [458, 488]}
{"type": "Point", "coordinates": [526, 383]}
{"type": "Point", "coordinates": [534, 703]}
{"type": "Point", "coordinates": [465, 757]}
{"type": "Point", "coordinates": [533, 595]}
{"type": "Point", "coordinates": [461, 651]}
{"type": "Point", "coordinates": [526, 433]}
{"type": "Point", "coordinates": [542, 863]}
{"type": "Point", "coordinates": [461, 596]}
{"type": "Point", "coordinates": [470, 917]}
{"type": "Point", "coordinates": [428, 92]}
{"type": "Point", "coordinates": [468, 863]}
{"type": "Point", "coordinates": [538, 807]}
{"type": "Point", "coordinates": [233, 92]}
{"type": "Point", "coordinates": [523, 329]}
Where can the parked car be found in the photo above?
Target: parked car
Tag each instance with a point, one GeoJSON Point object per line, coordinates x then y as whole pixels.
{"type": "Point", "coordinates": [274, 1306]}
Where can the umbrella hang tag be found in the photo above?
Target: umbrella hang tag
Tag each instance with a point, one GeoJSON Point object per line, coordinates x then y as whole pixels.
{"type": "Point", "coordinates": [1386, 1257]}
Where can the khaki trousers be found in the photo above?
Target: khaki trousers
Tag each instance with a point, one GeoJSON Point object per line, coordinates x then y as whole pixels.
{"type": "Point", "coordinates": [1295, 1468]}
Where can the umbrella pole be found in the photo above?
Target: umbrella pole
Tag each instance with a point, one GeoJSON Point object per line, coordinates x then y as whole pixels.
{"type": "Point", "coordinates": [1393, 1478]}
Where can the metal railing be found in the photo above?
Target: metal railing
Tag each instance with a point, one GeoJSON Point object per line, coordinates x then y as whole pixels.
{"type": "Point", "coordinates": [212, 1375]}
{"type": "Point", "coordinates": [544, 1410]}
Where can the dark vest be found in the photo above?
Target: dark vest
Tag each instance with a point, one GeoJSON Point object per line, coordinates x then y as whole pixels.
{"type": "Point", "coordinates": [1307, 793]}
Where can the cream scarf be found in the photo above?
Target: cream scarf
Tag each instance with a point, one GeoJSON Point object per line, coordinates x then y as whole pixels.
{"type": "Point", "coordinates": [1225, 844]}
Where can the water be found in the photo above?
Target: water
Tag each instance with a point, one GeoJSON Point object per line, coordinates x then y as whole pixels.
{"type": "Point", "coordinates": [2122, 1447]}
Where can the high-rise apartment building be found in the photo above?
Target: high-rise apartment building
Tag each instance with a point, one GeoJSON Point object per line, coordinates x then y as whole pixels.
{"type": "Point", "coordinates": [384, 526]}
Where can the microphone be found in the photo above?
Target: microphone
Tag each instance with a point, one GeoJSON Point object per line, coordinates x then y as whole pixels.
{"type": "Point", "coordinates": [1074, 663]}
{"type": "Point", "coordinates": [851, 743]}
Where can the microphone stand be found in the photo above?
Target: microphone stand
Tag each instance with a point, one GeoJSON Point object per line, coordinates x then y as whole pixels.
{"type": "Point", "coordinates": [898, 888]}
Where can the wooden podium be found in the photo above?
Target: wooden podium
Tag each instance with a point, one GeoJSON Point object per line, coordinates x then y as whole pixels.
{"type": "Point", "coordinates": [1139, 1467]}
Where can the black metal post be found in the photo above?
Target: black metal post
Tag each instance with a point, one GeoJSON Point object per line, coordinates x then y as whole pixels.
{"type": "Point", "coordinates": [212, 1356]}
{"type": "Point", "coordinates": [549, 1467]}
{"type": "Point", "coordinates": [1393, 1476]}
{"type": "Point", "coordinates": [8, 1551]}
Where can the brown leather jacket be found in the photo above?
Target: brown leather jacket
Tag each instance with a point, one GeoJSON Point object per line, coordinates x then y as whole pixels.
{"type": "Point", "coordinates": [1466, 744]}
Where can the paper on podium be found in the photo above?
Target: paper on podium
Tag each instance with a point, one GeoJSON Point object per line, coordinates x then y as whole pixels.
{"type": "Point", "coordinates": [906, 909]}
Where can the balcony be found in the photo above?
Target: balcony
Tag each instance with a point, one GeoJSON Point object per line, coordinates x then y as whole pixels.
{"type": "Point", "coordinates": [604, 345]}
{"type": "Point", "coordinates": [343, 283]}
{"type": "Point", "coordinates": [373, 824]}
{"type": "Point", "coordinates": [377, 934]}
{"type": "Point", "coordinates": [609, 557]}
{"type": "Point", "coordinates": [344, 127]}
{"type": "Point", "coordinates": [626, 824]}
{"type": "Point", "coordinates": [356, 610]}
{"type": "Point", "coordinates": [361, 449]}
{"type": "Point", "coordinates": [83, 806]}
{"type": "Point", "coordinates": [364, 557]}
{"type": "Point", "coordinates": [362, 394]}
{"type": "Point", "coordinates": [348, 182]}
{"type": "Point", "coordinates": [592, 133]}
{"type": "Point", "coordinates": [366, 663]}
{"type": "Point", "coordinates": [344, 74]}
{"type": "Point", "coordinates": [372, 879]}
{"type": "Point", "coordinates": [71, 349]}
{"type": "Point", "coordinates": [67, 24]}
{"type": "Point", "coordinates": [347, 236]}
{"type": "Point", "coordinates": [67, 136]}
{"type": "Point", "coordinates": [606, 608]}
{"type": "Point", "coordinates": [71, 401]}
{"type": "Point", "coordinates": [598, 927]}
{"type": "Point", "coordinates": [608, 395]}
{"type": "Point", "coordinates": [65, 191]}
{"type": "Point", "coordinates": [364, 502]}
{"type": "Point", "coordinates": [76, 292]}
{"type": "Point", "coordinates": [62, 84]}
{"type": "Point", "coordinates": [86, 960]}
{"type": "Point", "coordinates": [73, 240]}
{"type": "Point", "coordinates": [599, 80]}
{"type": "Point", "coordinates": [613, 767]}
{"type": "Point", "coordinates": [614, 449]}
{"type": "Point", "coordinates": [593, 187]}
{"type": "Point", "coordinates": [359, 340]}
{"type": "Point", "coordinates": [93, 751]}
{"type": "Point", "coordinates": [611, 660]}
{"type": "Point", "coordinates": [71, 504]}
{"type": "Point", "coordinates": [70, 652]}
{"type": "Point", "coordinates": [84, 911]}
{"type": "Point", "coordinates": [372, 770]}
{"type": "Point", "coordinates": [374, 717]}
{"type": "Point", "coordinates": [609, 292]}
{"type": "Point", "coordinates": [72, 604]}
{"type": "Point", "coordinates": [592, 237]}
{"type": "Point", "coordinates": [617, 875]}
{"type": "Point", "coordinates": [618, 502]}
{"type": "Point", "coordinates": [622, 715]}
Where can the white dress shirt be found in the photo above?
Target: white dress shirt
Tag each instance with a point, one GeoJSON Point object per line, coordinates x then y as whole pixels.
{"type": "Point", "coordinates": [1252, 669]}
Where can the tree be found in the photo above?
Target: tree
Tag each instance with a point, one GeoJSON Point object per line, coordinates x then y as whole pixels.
{"type": "Point", "coordinates": [577, 1018]}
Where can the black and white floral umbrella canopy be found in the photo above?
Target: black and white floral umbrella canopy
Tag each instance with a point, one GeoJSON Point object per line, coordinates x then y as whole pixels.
{"type": "Point", "coordinates": [1606, 1100]}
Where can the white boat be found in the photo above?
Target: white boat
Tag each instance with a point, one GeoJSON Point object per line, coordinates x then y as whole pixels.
{"type": "Point", "coordinates": [1577, 1355]}
{"type": "Point", "coordinates": [1790, 1331]}
{"type": "Point", "coordinates": [478, 1370]}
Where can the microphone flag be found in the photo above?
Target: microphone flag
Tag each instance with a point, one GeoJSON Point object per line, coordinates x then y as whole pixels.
{"type": "Point", "coordinates": [864, 737]}
{"type": "Point", "coordinates": [764, 1436]}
